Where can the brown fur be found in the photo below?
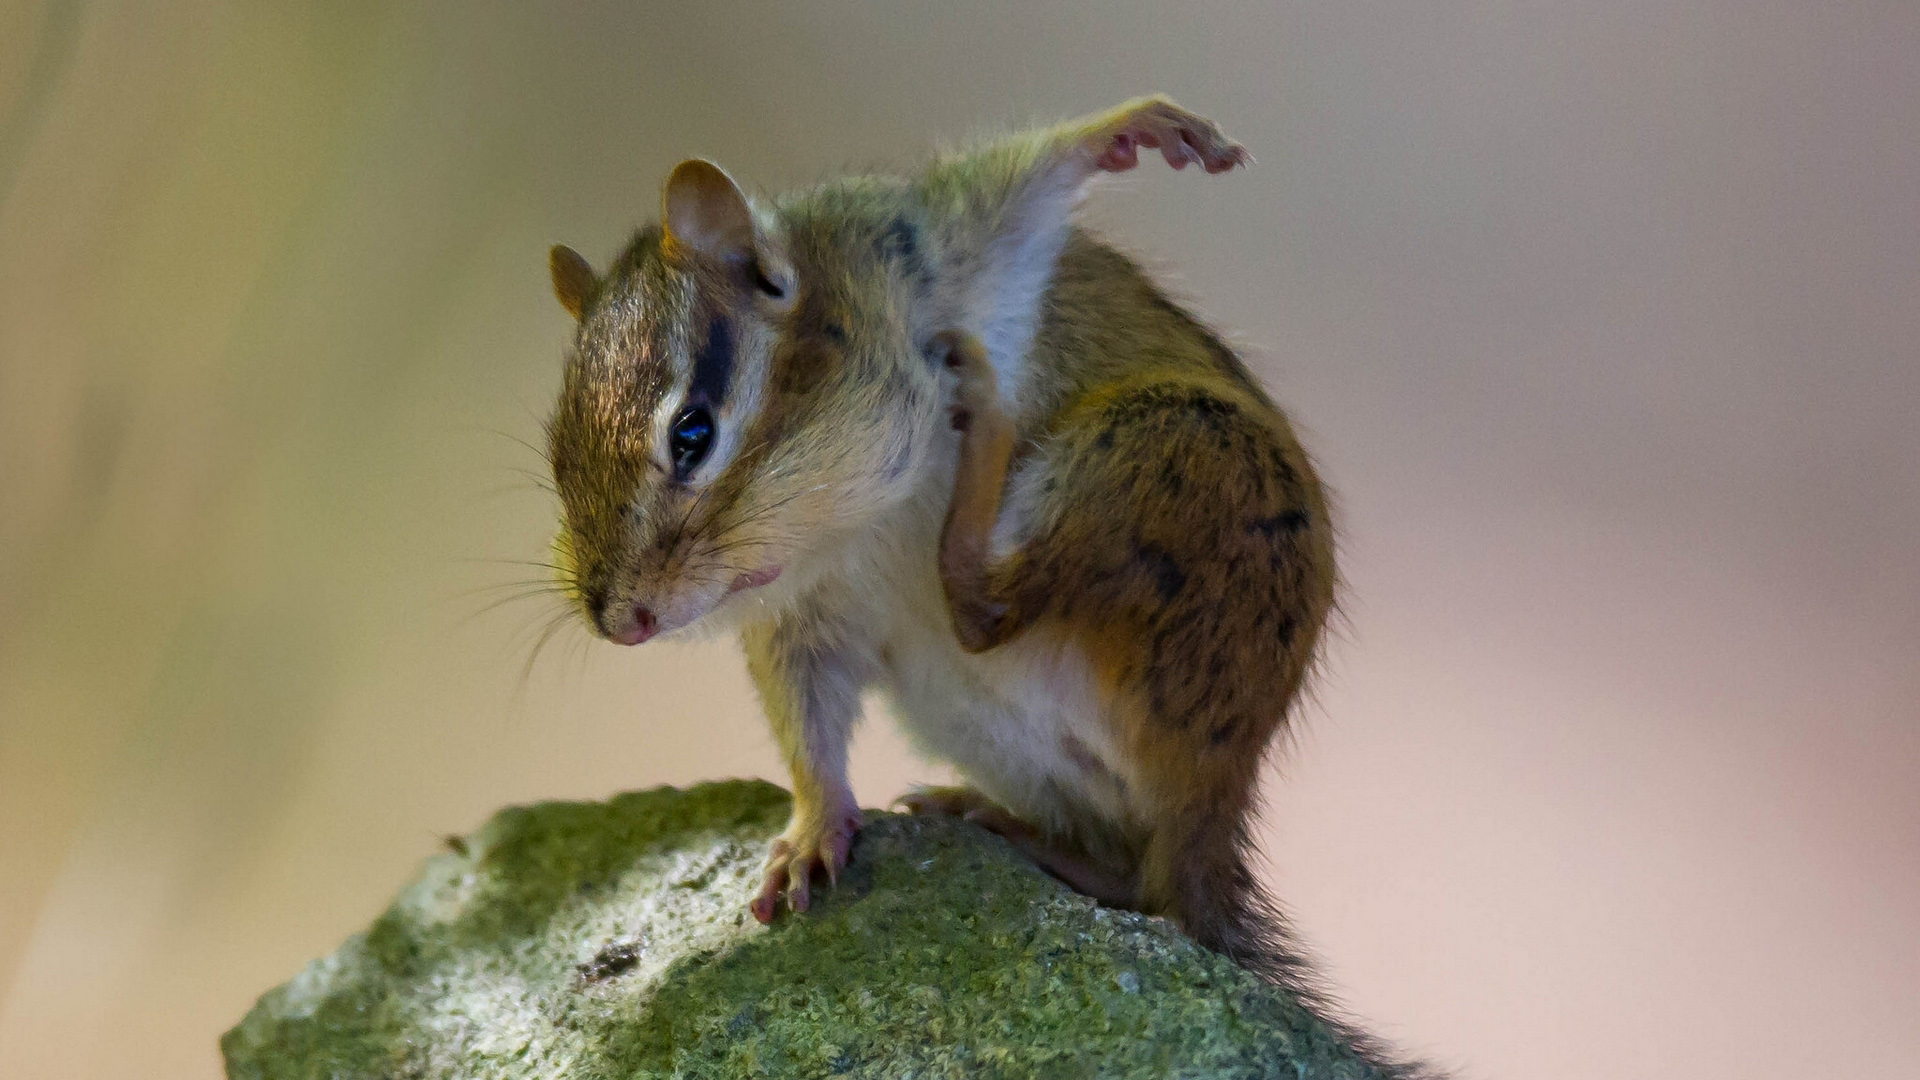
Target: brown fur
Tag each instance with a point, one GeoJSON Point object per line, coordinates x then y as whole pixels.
{"type": "Point", "coordinates": [1189, 545]}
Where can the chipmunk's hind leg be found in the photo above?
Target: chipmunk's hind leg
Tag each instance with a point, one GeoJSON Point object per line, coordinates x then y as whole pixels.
{"type": "Point", "coordinates": [1200, 555]}
{"type": "Point", "coordinates": [1079, 870]}
{"type": "Point", "coordinates": [1000, 212]}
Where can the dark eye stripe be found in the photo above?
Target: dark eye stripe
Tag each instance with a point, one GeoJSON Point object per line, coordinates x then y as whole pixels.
{"type": "Point", "coordinates": [712, 366]}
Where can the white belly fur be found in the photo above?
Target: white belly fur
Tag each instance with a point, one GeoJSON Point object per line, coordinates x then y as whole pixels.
{"type": "Point", "coordinates": [1025, 722]}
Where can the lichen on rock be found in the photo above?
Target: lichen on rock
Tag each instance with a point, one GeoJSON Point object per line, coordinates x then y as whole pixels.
{"type": "Point", "coordinates": [604, 940]}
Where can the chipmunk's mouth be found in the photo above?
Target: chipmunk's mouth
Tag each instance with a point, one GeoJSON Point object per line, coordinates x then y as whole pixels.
{"type": "Point", "coordinates": [641, 623]}
{"type": "Point", "coordinates": [753, 579]}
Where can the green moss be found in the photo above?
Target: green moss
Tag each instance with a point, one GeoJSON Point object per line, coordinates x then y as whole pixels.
{"type": "Point", "coordinates": [602, 940]}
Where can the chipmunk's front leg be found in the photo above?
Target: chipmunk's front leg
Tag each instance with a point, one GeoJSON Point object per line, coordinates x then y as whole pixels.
{"type": "Point", "coordinates": [982, 609]}
{"type": "Point", "coordinates": [812, 697]}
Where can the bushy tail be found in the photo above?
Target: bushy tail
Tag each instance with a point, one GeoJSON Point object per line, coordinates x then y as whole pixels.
{"type": "Point", "coordinates": [1220, 902]}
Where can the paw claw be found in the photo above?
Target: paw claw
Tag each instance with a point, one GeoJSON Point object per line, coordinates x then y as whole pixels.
{"type": "Point", "coordinates": [974, 392]}
{"type": "Point", "coordinates": [762, 908]}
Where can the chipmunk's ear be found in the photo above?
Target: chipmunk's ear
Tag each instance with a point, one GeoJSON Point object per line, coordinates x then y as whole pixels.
{"type": "Point", "coordinates": [705, 211]}
{"type": "Point", "coordinates": [573, 280]}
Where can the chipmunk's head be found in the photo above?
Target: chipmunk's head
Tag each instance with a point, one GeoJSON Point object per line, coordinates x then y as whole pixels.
{"type": "Point", "coordinates": [735, 403]}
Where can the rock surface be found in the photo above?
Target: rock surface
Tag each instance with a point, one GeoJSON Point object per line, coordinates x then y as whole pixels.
{"type": "Point", "coordinates": [601, 940]}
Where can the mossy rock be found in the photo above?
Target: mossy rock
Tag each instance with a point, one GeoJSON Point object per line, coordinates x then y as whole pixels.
{"type": "Point", "coordinates": [604, 940]}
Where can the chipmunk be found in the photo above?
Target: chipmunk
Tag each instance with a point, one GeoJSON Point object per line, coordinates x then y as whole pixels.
{"type": "Point", "coordinates": [927, 436]}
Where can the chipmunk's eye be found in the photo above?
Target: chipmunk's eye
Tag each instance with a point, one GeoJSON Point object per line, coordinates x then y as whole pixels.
{"type": "Point", "coordinates": [690, 439]}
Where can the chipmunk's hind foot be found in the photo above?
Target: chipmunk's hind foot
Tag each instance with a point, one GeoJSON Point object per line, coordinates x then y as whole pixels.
{"type": "Point", "coordinates": [957, 800]}
{"type": "Point", "coordinates": [1079, 871]}
{"type": "Point", "coordinates": [1156, 123]}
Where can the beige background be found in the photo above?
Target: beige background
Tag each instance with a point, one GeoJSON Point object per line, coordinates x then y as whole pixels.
{"type": "Point", "coordinates": [1601, 317]}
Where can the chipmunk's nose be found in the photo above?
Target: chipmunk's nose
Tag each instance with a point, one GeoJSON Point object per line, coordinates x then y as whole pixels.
{"type": "Point", "coordinates": [623, 625]}
{"type": "Point", "coordinates": [638, 626]}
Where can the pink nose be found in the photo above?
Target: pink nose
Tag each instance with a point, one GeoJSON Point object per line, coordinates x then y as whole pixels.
{"type": "Point", "coordinates": [643, 626]}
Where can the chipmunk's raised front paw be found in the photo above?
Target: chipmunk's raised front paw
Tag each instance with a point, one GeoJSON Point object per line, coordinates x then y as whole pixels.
{"type": "Point", "coordinates": [805, 848]}
{"type": "Point", "coordinates": [1180, 136]}
{"type": "Point", "coordinates": [974, 391]}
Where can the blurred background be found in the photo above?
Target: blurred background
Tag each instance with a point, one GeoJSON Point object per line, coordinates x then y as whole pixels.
{"type": "Point", "coordinates": [1603, 320]}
